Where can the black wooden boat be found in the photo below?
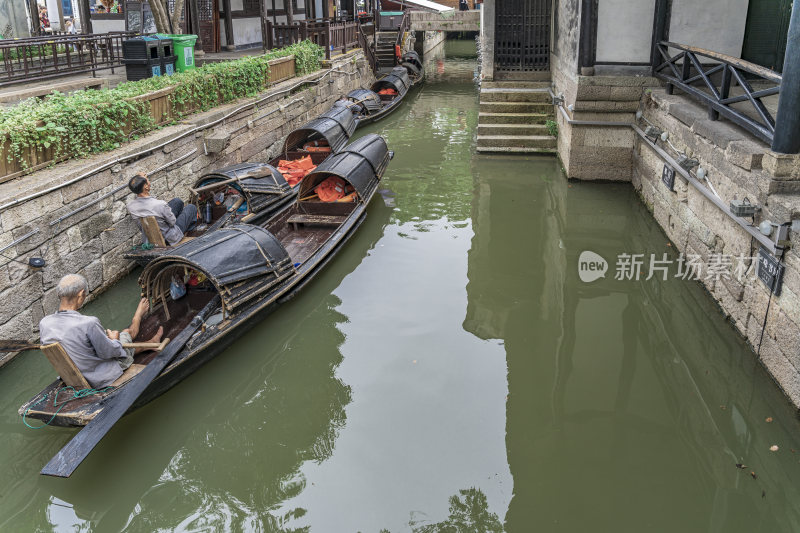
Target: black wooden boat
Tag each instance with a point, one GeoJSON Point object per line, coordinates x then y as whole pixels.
{"type": "Point", "coordinates": [236, 275]}
{"type": "Point", "coordinates": [413, 64]}
{"type": "Point", "coordinates": [369, 105]}
{"type": "Point", "coordinates": [253, 192]}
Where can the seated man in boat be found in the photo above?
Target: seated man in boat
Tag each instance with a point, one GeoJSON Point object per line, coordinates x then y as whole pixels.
{"type": "Point", "coordinates": [173, 217]}
{"type": "Point", "coordinates": [97, 352]}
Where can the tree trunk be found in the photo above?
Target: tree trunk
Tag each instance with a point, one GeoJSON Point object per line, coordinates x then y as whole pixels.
{"type": "Point", "coordinates": [160, 17]}
{"type": "Point", "coordinates": [176, 16]}
{"type": "Point", "coordinates": [287, 5]}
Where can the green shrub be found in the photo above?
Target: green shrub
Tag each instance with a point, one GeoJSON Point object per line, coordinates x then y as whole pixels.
{"type": "Point", "coordinates": [552, 128]}
{"type": "Point", "coordinates": [95, 121]}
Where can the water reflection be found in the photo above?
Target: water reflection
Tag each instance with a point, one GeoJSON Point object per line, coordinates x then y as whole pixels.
{"type": "Point", "coordinates": [469, 513]}
{"type": "Point", "coordinates": [629, 402]}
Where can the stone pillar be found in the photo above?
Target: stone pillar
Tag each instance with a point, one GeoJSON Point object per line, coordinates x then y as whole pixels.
{"type": "Point", "coordinates": [487, 40]}
{"type": "Point", "coordinates": [787, 124]}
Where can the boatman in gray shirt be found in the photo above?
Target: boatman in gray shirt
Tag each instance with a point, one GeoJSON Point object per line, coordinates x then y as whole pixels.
{"type": "Point", "coordinates": [97, 352]}
{"type": "Point", "coordinates": [174, 219]}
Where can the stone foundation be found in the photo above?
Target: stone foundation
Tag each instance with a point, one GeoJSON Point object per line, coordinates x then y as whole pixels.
{"type": "Point", "coordinates": [738, 166]}
{"type": "Point", "coordinates": [91, 241]}
{"type": "Point", "coordinates": [597, 152]}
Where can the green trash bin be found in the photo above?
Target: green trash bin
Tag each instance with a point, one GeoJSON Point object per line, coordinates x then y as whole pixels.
{"type": "Point", "coordinates": [184, 49]}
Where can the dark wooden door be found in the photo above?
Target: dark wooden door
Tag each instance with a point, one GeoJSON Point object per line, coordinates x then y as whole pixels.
{"type": "Point", "coordinates": [765, 32]}
{"type": "Point", "coordinates": [208, 20]}
{"type": "Point", "coordinates": [522, 39]}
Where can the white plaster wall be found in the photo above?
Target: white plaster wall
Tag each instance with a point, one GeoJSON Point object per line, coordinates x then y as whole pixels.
{"type": "Point", "coordinates": [104, 26]}
{"type": "Point", "coordinates": [716, 25]}
{"type": "Point", "coordinates": [246, 31]}
{"type": "Point", "coordinates": [624, 30]}
{"type": "Point", "coordinates": [52, 14]}
{"type": "Point", "coordinates": [15, 14]}
{"type": "Point", "coordinates": [237, 5]}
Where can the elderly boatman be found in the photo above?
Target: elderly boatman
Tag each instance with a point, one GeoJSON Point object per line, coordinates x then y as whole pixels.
{"type": "Point", "coordinates": [174, 219]}
{"type": "Point", "coordinates": [97, 352]}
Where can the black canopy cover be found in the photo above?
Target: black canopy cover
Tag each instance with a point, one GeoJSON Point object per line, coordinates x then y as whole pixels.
{"type": "Point", "coordinates": [361, 164]}
{"type": "Point", "coordinates": [412, 57]}
{"type": "Point", "coordinates": [335, 125]}
{"type": "Point", "coordinates": [261, 184]}
{"type": "Point", "coordinates": [242, 261]}
{"type": "Point", "coordinates": [368, 100]}
{"type": "Point", "coordinates": [397, 78]}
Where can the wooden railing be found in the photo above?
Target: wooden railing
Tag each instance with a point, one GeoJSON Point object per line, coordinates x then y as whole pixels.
{"type": "Point", "coordinates": [713, 81]}
{"type": "Point", "coordinates": [40, 58]}
{"type": "Point", "coordinates": [369, 52]}
{"type": "Point", "coordinates": [332, 36]}
{"type": "Point", "coordinates": [405, 25]}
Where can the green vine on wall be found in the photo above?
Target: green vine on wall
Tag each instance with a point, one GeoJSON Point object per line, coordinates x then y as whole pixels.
{"type": "Point", "coordinates": [95, 121]}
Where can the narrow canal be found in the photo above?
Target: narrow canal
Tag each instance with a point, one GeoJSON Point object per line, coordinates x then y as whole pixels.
{"type": "Point", "coordinates": [449, 367]}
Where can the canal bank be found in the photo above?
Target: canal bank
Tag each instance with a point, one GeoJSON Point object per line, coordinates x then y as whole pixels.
{"type": "Point", "coordinates": [73, 215]}
{"type": "Point", "coordinates": [448, 365]}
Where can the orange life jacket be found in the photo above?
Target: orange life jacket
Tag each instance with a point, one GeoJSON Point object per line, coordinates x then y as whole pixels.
{"type": "Point", "coordinates": [331, 190]}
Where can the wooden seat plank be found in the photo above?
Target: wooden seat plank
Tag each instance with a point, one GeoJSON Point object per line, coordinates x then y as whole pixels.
{"type": "Point", "coordinates": [128, 374]}
{"type": "Point", "coordinates": [316, 220]}
{"type": "Point", "coordinates": [152, 231]}
{"type": "Point", "coordinates": [65, 367]}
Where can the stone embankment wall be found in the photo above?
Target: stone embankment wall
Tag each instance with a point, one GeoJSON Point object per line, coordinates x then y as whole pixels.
{"type": "Point", "coordinates": [597, 152]}
{"type": "Point", "coordinates": [739, 167]}
{"type": "Point", "coordinates": [92, 240]}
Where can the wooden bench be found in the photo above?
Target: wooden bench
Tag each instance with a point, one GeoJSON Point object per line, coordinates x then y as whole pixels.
{"type": "Point", "coordinates": [315, 220]}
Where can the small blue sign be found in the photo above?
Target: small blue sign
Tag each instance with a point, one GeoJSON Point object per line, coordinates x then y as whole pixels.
{"type": "Point", "coordinates": [156, 70]}
{"type": "Point", "coordinates": [170, 69]}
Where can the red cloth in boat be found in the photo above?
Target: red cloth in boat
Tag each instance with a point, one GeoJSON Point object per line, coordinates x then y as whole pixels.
{"type": "Point", "coordinates": [388, 91]}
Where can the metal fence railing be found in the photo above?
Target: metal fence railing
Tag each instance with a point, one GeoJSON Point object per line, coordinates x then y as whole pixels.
{"type": "Point", "coordinates": [333, 36]}
{"type": "Point", "coordinates": [40, 58]}
{"type": "Point", "coordinates": [726, 85]}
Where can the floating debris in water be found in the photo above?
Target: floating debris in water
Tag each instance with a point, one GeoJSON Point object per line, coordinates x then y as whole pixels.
{"type": "Point", "coordinates": [768, 419]}
{"type": "Point", "coordinates": [741, 466]}
{"type": "Point", "coordinates": [763, 494]}
{"type": "Point", "coordinates": [773, 448]}
{"type": "Point", "coordinates": [722, 407]}
{"type": "Point", "coordinates": [753, 475]}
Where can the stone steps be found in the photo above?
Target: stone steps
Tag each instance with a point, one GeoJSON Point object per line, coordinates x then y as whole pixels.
{"type": "Point", "coordinates": [514, 118]}
{"type": "Point", "coordinates": [515, 107]}
{"type": "Point", "coordinates": [515, 95]}
{"type": "Point", "coordinates": [516, 141]}
{"type": "Point", "coordinates": [515, 85]}
{"type": "Point", "coordinates": [512, 129]}
{"type": "Point", "coordinates": [514, 150]}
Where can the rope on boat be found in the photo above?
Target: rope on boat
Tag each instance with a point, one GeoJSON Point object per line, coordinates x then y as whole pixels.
{"type": "Point", "coordinates": [76, 395]}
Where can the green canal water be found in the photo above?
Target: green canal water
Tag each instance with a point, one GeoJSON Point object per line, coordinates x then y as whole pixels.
{"type": "Point", "coordinates": [448, 371]}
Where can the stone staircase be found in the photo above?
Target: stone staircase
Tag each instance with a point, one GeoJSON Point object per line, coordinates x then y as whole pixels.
{"type": "Point", "coordinates": [384, 50]}
{"type": "Point", "coordinates": [512, 117]}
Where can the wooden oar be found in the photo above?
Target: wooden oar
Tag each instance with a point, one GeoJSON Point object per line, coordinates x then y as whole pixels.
{"type": "Point", "coordinates": [19, 345]}
{"type": "Point", "coordinates": [64, 463]}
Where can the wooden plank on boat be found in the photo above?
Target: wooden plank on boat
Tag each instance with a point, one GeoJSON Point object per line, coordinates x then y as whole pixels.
{"type": "Point", "coordinates": [316, 220]}
{"type": "Point", "coordinates": [64, 463]}
{"type": "Point", "coordinates": [65, 367]}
